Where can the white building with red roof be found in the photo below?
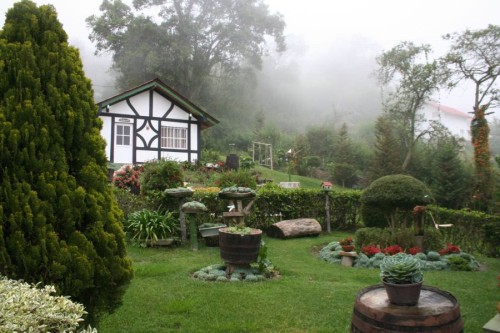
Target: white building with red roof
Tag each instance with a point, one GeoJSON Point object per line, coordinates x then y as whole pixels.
{"type": "Point", "coordinates": [456, 121]}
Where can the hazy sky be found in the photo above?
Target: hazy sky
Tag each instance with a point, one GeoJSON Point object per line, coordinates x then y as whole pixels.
{"type": "Point", "coordinates": [320, 25]}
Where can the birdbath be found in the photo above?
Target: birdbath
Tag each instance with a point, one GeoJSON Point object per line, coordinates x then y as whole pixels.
{"type": "Point", "coordinates": [181, 193]}
{"type": "Point", "coordinates": [193, 207]}
{"type": "Point", "coordinates": [239, 245]}
{"type": "Point", "coordinates": [235, 196]}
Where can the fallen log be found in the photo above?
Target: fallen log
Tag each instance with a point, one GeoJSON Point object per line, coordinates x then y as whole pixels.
{"type": "Point", "coordinates": [294, 228]}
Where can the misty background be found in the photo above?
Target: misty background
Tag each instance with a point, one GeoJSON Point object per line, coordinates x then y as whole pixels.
{"type": "Point", "coordinates": [325, 76]}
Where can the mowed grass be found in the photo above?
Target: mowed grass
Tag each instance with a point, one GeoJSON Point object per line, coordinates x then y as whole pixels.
{"type": "Point", "coordinates": [310, 296]}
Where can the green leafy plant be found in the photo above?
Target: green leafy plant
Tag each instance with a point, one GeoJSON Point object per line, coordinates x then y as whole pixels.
{"type": "Point", "coordinates": [147, 226]}
{"type": "Point", "coordinates": [401, 268]}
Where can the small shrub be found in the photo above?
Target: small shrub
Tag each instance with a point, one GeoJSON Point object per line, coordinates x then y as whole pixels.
{"type": "Point", "coordinates": [373, 217]}
{"type": "Point", "coordinates": [433, 256]}
{"type": "Point", "coordinates": [160, 175]}
{"type": "Point", "coordinates": [26, 308]}
{"type": "Point", "coordinates": [458, 263]}
{"type": "Point", "coordinates": [241, 178]}
{"type": "Point", "coordinates": [128, 177]}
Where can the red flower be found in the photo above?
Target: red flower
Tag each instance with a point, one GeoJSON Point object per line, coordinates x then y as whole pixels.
{"type": "Point", "coordinates": [370, 250]}
{"type": "Point", "coordinates": [449, 249]}
{"type": "Point", "coordinates": [392, 250]}
{"type": "Point", "coordinates": [414, 250]}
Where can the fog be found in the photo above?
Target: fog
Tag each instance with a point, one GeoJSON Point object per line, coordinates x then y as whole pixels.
{"type": "Point", "coordinates": [325, 75]}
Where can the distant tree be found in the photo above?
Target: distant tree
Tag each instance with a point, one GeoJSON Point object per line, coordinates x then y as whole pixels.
{"type": "Point", "coordinates": [474, 56]}
{"type": "Point", "coordinates": [343, 167]}
{"type": "Point", "coordinates": [297, 154]}
{"type": "Point", "coordinates": [59, 220]}
{"type": "Point", "coordinates": [449, 180]}
{"type": "Point", "coordinates": [387, 150]}
{"type": "Point", "coordinates": [190, 40]}
{"type": "Point", "coordinates": [414, 79]}
{"type": "Point", "coordinates": [321, 140]}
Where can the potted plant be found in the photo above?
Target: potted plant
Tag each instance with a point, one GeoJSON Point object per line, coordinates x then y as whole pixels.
{"type": "Point", "coordinates": [402, 278]}
{"type": "Point", "coordinates": [151, 228]}
{"type": "Point", "coordinates": [347, 244]}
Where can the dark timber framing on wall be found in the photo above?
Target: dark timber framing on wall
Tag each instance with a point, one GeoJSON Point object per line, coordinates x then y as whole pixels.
{"type": "Point", "coordinates": [138, 122]}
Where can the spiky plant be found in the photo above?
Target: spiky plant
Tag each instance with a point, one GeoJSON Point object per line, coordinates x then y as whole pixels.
{"type": "Point", "coordinates": [401, 268]}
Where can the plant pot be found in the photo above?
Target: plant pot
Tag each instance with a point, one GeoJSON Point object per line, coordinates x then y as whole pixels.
{"type": "Point", "coordinates": [347, 248]}
{"type": "Point", "coordinates": [403, 294]}
{"type": "Point", "coordinates": [238, 249]}
{"type": "Point", "coordinates": [210, 231]}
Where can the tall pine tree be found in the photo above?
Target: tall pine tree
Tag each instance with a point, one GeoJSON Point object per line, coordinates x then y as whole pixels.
{"type": "Point", "coordinates": [59, 221]}
{"type": "Point", "coordinates": [387, 151]}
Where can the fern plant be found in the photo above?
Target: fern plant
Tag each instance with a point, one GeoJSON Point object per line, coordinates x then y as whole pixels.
{"type": "Point", "coordinates": [401, 268]}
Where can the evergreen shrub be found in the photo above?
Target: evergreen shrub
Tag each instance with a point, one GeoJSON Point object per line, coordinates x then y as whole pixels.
{"type": "Point", "coordinates": [394, 194]}
{"type": "Point", "coordinates": [59, 220]}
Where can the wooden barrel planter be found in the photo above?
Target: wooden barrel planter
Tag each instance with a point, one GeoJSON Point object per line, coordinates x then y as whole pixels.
{"type": "Point", "coordinates": [437, 311]}
{"type": "Point", "coordinates": [237, 249]}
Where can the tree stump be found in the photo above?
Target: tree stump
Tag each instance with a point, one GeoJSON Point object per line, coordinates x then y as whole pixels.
{"type": "Point", "coordinates": [294, 228]}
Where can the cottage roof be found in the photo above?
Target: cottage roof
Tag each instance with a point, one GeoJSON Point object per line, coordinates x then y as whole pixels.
{"type": "Point", "coordinates": [168, 92]}
{"type": "Point", "coordinates": [449, 110]}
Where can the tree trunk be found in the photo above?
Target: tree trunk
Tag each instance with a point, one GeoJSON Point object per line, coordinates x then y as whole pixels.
{"type": "Point", "coordinates": [295, 228]}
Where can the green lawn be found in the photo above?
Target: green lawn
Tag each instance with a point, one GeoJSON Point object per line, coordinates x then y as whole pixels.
{"type": "Point", "coordinates": [310, 296]}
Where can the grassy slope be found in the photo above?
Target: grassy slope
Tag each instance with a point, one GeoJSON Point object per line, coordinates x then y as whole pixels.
{"type": "Point", "coordinates": [311, 295]}
{"type": "Point", "coordinates": [277, 177]}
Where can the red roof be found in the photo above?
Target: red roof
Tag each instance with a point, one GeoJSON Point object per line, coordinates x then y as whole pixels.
{"type": "Point", "coordinates": [449, 110]}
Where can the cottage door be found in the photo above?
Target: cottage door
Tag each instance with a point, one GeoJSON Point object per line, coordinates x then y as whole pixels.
{"type": "Point", "coordinates": [123, 143]}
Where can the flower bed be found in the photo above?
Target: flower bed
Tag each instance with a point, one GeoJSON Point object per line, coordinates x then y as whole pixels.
{"type": "Point", "coordinates": [371, 257]}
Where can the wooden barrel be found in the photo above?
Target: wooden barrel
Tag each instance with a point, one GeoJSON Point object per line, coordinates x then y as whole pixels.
{"type": "Point", "coordinates": [437, 311]}
{"type": "Point", "coordinates": [236, 249]}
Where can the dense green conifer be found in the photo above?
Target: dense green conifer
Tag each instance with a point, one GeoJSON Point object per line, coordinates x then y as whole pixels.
{"type": "Point", "coordinates": [59, 222]}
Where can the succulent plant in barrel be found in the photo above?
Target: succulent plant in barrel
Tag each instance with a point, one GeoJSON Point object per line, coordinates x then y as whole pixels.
{"type": "Point", "coordinates": [402, 277]}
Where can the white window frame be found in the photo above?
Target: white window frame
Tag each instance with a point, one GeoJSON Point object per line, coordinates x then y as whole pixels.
{"type": "Point", "coordinates": [121, 137]}
{"type": "Point", "coordinates": [174, 137]}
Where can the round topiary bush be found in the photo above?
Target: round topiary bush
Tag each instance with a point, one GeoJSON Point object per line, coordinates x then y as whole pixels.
{"type": "Point", "coordinates": [393, 194]}
{"type": "Point", "coordinates": [159, 175]}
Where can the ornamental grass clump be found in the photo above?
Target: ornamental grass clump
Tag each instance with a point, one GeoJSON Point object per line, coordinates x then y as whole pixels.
{"type": "Point", "coordinates": [401, 268]}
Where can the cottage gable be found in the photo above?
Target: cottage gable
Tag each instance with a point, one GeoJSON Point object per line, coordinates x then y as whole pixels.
{"type": "Point", "coordinates": [152, 121]}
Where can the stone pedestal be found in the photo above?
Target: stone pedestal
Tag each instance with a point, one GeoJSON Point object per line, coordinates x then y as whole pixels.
{"type": "Point", "coordinates": [348, 258]}
{"type": "Point", "coordinates": [493, 326]}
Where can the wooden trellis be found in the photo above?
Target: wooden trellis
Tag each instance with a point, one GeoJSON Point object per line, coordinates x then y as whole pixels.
{"type": "Point", "coordinates": [263, 154]}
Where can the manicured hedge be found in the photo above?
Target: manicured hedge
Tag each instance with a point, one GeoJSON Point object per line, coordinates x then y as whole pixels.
{"type": "Point", "coordinates": [473, 231]}
{"type": "Point", "coordinates": [274, 204]}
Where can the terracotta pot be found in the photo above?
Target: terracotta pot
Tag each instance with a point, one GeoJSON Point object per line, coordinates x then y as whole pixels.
{"type": "Point", "coordinates": [347, 248]}
{"type": "Point", "coordinates": [403, 294]}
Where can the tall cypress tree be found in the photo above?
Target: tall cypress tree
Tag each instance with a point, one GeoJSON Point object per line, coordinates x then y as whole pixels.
{"type": "Point", "coordinates": [59, 221]}
{"type": "Point", "coordinates": [387, 151]}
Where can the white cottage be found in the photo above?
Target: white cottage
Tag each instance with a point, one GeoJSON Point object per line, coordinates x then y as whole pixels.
{"type": "Point", "coordinates": [152, 121]}
{"type": "Point", "coordinates": [457, 122]}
